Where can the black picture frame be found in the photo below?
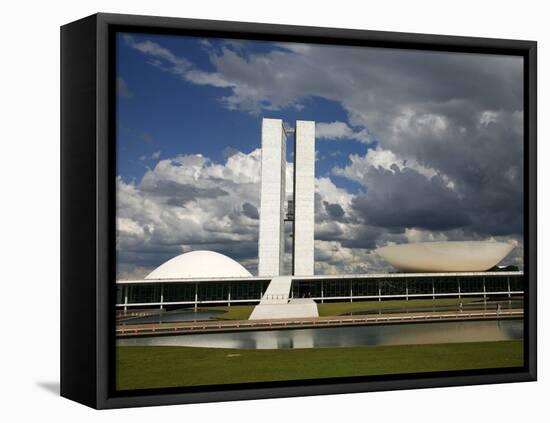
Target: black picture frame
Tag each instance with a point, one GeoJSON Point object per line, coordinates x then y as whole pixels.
{"type": "Point", "coordinates": [88, 209]}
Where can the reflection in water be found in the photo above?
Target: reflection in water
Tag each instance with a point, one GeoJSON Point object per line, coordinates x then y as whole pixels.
{"type": "Point", "coordinates": [395, 334]}
{"type": "Point", "coordinates": [184, 315]}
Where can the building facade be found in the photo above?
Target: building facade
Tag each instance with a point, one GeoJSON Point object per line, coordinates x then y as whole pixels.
{"type": "Point", "coordinates": [300, 210]}
{"type": "Point", "coordinates": [271, 239]}
{"type": "Point", "coordinates": [163, 293]}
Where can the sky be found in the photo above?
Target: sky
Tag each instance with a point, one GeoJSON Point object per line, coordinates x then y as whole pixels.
{"type": "Point", "coordinates": [411, 146]}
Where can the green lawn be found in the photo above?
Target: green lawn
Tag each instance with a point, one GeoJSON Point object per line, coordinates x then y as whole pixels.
{"type": "Point", "coordinates": [335, 309]}
{"type": "Point", "coordinates": [156, 367]}
{"type": "Point", "coordinates": [235, 312]}
{"type": "Point", "coordinates": [242, 312]}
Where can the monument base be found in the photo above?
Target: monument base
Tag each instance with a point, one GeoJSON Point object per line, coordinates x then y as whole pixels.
{"type": "Point", "coordinates": [296, 308]}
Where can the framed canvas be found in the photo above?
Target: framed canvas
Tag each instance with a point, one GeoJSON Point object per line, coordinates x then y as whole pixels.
{"type": "Point", "coordinates": [258, 211]}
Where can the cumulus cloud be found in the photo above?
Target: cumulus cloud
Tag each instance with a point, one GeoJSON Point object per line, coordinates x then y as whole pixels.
{"type": "Point", "coordinates": [185, 203]}
{"type": "Point", "coordinates": [341, 130]}
{"type": "Point", "coordinates": [190, 202]}
{"type": "Point", "coordinates": [159, 56]}
{"type": "Point", "coordinates": [359, 167]}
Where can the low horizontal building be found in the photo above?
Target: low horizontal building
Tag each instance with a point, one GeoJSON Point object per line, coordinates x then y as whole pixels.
{"type": "Point", "coordinates": [172, 292]}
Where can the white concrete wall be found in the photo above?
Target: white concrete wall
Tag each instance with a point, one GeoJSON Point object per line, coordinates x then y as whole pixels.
{"type": "Point", "coordinates": [304, 197]}
{"type": "Point", "coordinates": [295, 309]}
{"type": "Point", "coordinates": [272, 195]}
{"type": "Point", "coordinates": [278, 291]}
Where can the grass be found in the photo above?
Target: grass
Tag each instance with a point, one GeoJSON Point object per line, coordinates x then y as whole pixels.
{"type": "Point", "coordinates": [336, 309]}
{"type": "Point", "coordinates": [242, 312]}
{"type": "Point", "coordinates": [234, 312]}
{"type": "Point", "coordinates": [160, 366]}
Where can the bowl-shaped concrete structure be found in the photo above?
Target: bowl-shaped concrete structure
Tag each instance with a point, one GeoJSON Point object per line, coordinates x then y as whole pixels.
{"type": "Point", "coordinates": [450, 256]}
{"type": "Point", "coordinates": [199, 264]}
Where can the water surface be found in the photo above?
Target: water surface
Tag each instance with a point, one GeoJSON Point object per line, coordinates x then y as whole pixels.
{"type": "Point", "coordinates": [353, 336]}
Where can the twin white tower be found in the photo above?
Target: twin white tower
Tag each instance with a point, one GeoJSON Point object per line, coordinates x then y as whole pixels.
{"type": "Point", "coordinates": [300, 210]}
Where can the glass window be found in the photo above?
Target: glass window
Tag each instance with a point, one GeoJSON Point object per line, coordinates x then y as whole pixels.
{"type": "Point", "coordinates": [211, 291]}
{"type": "Point", "coordinates": [247, 290]}
{"type": "Point", "coordinates": [394, 286]}
{"type": "Point", "coordinates": [144, 294]}
{"type": "Point", "coordinates": [516, 283]}
{"type": "Point", "coordinates": [120, 294]}
{"type": "Point", "coordinates": [420, 286]}
{"type": "Point", "coordinates": [446, 285]}
{"type": "Point", "coordinates": [307, 289]}
{"type": "Point", "coordinates": [336, 288]}
{"type": "Point", "coordinates": [496, 284]}
{"type": "Point", "coordinates": [471, 284]}
{"type": "Point", "coordinates": [179, 292]}
{"type": "Point", "coordinates": [365, 287]}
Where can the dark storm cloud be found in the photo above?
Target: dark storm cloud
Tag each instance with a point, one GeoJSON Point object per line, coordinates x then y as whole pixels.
{"type": "Point", "coordinates": [329, 233]}
{"type": "Point", "coordinates": [365, 237]}
{"type": "Point", "coordinates": [405, 198]}
{"type": "Point", "coordinates": [485, 163]}
{"type": "Point", "coordinates": [368, 82]}
{"type": "Point", "coordinates": [246, 249]}
{"type": "Point", "coordinates": [250, 211]}
{"type": "Point", "coordinates": [334, 210]}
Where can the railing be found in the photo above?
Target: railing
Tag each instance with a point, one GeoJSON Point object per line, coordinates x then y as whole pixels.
{"type": "Point", "coordinates": [314, 322]}
{"type": "Point", "coordinates": [275, 297]}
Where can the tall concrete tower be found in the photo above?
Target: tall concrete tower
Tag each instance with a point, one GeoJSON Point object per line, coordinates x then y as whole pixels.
{"type": "Point", "coordinates": [271, 243]}
{"type": "Point", "coordinates": [273, 197]}
{"type": "Point", "coordinates": [304, 198]}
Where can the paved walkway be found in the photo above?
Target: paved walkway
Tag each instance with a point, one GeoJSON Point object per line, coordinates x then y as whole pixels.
{"type": "Point", "coordinates": [330, 321]}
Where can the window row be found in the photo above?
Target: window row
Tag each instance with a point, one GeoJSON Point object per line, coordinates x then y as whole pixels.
{"type": "Point", "coordinates": [219, 291]}
{"type": "Point", "coordinates": [183, 292]}
{"type": "Point", "coordinates": [410, 286]}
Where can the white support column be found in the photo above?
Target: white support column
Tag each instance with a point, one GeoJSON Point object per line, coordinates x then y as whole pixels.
{"type": "Point", "coordinates": [272, 199]}
{"type": "Point", "coordinates": [509, 290]}
{"type": "Point", "coordinates": [229, 294]}
{"type": "Point", "coordinates": [161, 295]}
{"type": "Point", "coordinates": [484, 293]}
{"type": "Point", "coordinates": [126, 298]}
{"type": "Point", "coordinates": [196, 296]}
{"type": "Point", "coordinates": [322, 293]}
{"type": "Point", "coordinates": [304, 198]}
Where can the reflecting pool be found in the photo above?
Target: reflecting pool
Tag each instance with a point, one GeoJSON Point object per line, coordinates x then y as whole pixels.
{"type": "Point", "coordinates": [351, 336]}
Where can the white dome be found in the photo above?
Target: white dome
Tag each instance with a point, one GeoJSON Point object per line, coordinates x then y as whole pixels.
{"type": "Point", "coordinates": [199, 264]}
{"type": "Point", "coordinates": [450, 256]}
